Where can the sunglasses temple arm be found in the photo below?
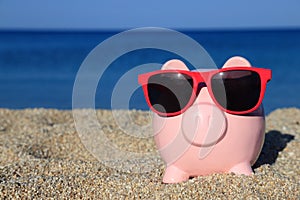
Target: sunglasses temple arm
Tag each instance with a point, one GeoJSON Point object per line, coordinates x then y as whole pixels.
{"type": "Point", "coordinates": [140, 80]}
{"type": "Point", "coordinates": [270, 77]}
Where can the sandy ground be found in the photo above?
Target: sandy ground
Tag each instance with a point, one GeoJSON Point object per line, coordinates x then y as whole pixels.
{"type": "Point", "coordinates": [43, 156]}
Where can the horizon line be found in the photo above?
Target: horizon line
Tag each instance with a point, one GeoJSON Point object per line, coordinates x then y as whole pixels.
{"type": "Point", "coordinates": [228, 29]}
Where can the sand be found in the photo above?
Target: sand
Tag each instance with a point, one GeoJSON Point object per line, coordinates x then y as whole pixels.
{"type": "Point", "coordinates": [42, 156]}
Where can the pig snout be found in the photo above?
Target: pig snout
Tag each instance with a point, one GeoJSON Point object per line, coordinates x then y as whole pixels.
{"type": "Point", "coordinates": [204, 124]}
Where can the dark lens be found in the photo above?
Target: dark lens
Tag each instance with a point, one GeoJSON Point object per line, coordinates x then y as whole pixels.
{"type": "Point", "coordinates": [237, 90]}
{"type": "Point", "coordinates": [170, 92]}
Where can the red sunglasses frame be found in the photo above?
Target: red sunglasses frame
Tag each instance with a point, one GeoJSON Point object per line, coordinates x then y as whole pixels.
{"type": "Point", "coordinates": [200, 77]}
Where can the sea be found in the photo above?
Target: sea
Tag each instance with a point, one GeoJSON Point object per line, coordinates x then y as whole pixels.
{"type": "Point", "coordinates": [38, 68]}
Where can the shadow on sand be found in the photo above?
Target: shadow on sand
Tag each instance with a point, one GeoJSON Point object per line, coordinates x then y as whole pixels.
{"type": "Point", "coordinates": [275, 141]}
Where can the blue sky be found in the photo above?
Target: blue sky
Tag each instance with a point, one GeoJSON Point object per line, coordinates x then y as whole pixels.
{"type": "Point", "coordinates": [97, 14]}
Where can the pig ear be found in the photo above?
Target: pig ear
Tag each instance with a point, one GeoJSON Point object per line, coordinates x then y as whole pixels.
{"type": "Point", "coordinates": [174, 64]}
{"type": "Point", "coordinates": [237, 61]}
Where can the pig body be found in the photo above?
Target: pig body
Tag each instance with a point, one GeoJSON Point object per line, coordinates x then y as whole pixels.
{"type": "Point", "coordinates": [205, 140]}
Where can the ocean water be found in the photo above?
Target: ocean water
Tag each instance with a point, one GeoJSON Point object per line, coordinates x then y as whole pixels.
{"type": "Point", "coordinates": [38, 69]}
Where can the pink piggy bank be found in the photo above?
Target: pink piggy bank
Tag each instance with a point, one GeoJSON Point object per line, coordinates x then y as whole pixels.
{"type": "Point", "coordinates": [209, 134]}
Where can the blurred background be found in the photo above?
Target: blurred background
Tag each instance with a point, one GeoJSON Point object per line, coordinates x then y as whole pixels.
{"type": "Point", "coordinates": [43, 44]}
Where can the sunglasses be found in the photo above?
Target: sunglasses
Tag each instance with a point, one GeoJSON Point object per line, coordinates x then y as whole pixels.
{"type": "Point", "coordinates": [235, 90]}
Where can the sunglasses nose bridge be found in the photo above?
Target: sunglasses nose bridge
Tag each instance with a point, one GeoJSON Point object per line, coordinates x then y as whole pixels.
{"type": "Point", "coordinates": [203, 95]}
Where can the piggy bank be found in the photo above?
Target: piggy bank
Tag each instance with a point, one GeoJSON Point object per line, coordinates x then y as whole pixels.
{"type": "Point", "coordinates": [204, 138]}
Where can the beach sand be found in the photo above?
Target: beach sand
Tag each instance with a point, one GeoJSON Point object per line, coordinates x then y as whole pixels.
{"type": "Point", "coordinates": [42, 156]}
